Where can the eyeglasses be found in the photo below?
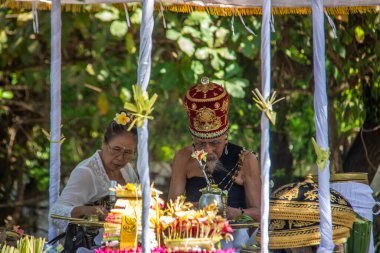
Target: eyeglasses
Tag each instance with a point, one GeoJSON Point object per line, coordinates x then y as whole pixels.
{"type": "Point", "coordinates": [118, 151]}
{"type": "Point", "coordinates": [203, 144]}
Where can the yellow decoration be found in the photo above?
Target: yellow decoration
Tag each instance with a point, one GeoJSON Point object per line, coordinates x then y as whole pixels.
{"type": "Point", "coordinates": [122, 118]}
{"type": "Point", "coordinates": [132, 187]}
{"type": "Point", "coordinates": [200, 156]}
{"type": "Point", "coordinates": [128, 232]}
{"type": "Point", "coordinates": [48, 136]}
{"type": "Point", "coordinates": [142, 108]}
{"type": "Point", "coordinates": [322, 155]}
{"type": "Point", "coordinates": [267, 105]}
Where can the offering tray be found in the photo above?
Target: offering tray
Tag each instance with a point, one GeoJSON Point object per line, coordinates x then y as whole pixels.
{"type": "Point", "coordinates": [190, 244]}
{"type": "Point", "coordinates": [82, 222]}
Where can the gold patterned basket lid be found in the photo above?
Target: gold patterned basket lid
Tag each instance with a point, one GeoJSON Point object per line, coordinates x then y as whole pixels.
{"type": "Point", "coordinates": [300, 201]}
{"type": "Point", "coordinates": [286, 234]}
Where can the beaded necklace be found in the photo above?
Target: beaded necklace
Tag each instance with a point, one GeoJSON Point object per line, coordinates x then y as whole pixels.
{"type": "Point", "coordinates": [231, 175]}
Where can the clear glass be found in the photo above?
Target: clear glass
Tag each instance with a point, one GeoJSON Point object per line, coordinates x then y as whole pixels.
{"type": "Point", "coordinates": [209, 198]}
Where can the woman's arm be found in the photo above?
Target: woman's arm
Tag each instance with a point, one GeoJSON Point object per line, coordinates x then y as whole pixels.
{"type": "Point", "coordinates": [79, 190]}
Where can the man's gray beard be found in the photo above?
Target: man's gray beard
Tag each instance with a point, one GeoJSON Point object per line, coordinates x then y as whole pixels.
{"type": "Point", "coordinates": [212, 166]}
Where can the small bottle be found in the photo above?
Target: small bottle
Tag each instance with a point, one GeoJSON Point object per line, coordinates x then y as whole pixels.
{"type": "Point", "coordinates": [112, 196]}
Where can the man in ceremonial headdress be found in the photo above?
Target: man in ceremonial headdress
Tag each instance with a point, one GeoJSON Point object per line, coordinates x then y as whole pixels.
{"type": "Point", "coordinates": [229, 166]}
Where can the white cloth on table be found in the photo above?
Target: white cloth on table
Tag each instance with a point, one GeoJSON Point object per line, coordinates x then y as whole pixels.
{"type": "Point", "coordinates": [241, 238]}
{"type": "Point", "coordinates": [360, 197]}
{"type": "Point", "coordinates": [88, 183]}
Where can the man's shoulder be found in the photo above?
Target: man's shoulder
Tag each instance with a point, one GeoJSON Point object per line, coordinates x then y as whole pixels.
{"type": "Point", "coordinates": [242, 150]}
{"type": "Point", "coordinates": [186, 151]}
{"type": "Point", "coordinates": [182, 158]}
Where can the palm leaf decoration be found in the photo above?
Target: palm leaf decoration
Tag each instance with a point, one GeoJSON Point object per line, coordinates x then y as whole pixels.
{"type": "Point", "coordinates": [266, 105]}
{"type": "Point", "coordinates": [323, 155]}
{"type": "Point", "coordinates": [142, 106]}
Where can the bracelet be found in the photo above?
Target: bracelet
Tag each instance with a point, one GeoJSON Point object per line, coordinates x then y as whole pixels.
{"type": "Point", "coordinates": [241, 211]}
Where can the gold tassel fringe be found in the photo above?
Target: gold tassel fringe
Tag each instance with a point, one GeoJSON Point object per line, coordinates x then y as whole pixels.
{"type": "Point", "coordinates": [188, 8]}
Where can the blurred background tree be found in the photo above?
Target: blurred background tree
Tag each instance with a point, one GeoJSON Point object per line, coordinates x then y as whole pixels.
{"type": "Point", "coordinates": [99, 65]}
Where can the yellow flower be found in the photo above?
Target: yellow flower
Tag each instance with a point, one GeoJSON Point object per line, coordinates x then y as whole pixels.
{"type": "Point", "coordinates": [131, 187]}
{"type": "Point", "coordinates": [122, 118]}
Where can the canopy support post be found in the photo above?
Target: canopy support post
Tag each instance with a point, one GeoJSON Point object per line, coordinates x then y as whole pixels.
{"type": "Point", "coordinates": [143, 76]}
{"type": "Point", "coordinates": [55, 108]}
{"type": "Point", "coordinates": [265, 138]}
{"type": "Point", "coordinates": [321, 124]}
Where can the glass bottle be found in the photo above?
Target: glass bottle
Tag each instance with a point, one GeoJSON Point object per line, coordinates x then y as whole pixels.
{"type": "Point", "coordinates": [111, 196]}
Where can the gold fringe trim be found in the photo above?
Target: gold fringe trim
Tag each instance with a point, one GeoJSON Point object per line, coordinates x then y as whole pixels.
{"type": "Point", "coordinates": [188, 8]}
{"type": "Point", "coordinates": [291, 210]}
{"type": "Point", "coordinates": [296, 238]}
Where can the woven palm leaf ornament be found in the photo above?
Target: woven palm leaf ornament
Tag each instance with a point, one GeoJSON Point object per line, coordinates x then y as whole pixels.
{"type": "Point", "coordinates": [266, 105]}
{"type": "Point", "coordinates": [142, 106]}
{"type": "Point", "coordinates": [48, 136]}
{"type": "Point", "coordinates": [323, 155]}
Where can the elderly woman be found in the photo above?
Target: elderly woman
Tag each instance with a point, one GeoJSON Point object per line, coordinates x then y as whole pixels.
{"type": "Point", "coordinates": [91, 179]}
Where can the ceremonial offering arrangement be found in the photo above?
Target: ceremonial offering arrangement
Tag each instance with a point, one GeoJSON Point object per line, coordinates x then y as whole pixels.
{"type": "Point", "coordinates": [185, 229]}
{"type": "Point", "coordinates": [122, 229]}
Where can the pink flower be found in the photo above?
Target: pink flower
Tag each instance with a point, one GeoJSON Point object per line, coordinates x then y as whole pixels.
{"type": "Point", "coordinates": [18, 230]}
{"type": "Point", "coordinates": [227, 228]}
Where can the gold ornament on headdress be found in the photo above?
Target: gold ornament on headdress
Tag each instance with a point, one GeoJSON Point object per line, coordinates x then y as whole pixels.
{"type": "Point", "coordinates": [322, 155]}
{"type": "Point", "coordinates": [266, 106]}
{"type": "Point", "coordinates": [142, 108]}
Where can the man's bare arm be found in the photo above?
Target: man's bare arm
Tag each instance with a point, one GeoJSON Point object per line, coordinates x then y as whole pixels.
{"type": "Point", "coordinates": [178, 178]}
{"type": "Point", "coordinates": [252, 187]}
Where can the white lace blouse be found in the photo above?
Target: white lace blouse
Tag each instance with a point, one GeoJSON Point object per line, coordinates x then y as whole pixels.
{"type": "Point", "coordinates": [88, 183]}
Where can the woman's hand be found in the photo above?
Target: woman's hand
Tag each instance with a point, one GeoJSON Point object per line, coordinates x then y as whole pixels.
{"type": "Point", "coordinates": [85, 211]}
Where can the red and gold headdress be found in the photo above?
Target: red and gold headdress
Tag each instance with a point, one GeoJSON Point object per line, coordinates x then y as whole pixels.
{"type": "Point", "coordinates": [207, 106]}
